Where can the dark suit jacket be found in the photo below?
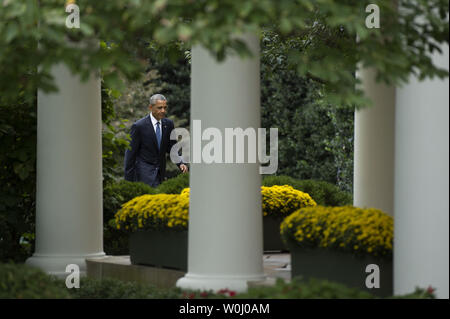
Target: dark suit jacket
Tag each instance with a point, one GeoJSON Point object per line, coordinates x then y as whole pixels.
{"type": "Point", "coordinates": [144, 162]}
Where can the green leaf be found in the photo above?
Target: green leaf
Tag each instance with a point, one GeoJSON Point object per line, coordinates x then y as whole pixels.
{"type": "Point", "coordinates": [184, 32]}
{"type": "Point", "coordinates": [12, 30]}
{"type": "Point", "coordinates": [113, 81]}
{"type": "Point", "coordinates": [86, 29]}
{"type": "Point", "coordinates": [21, 170]}
{"type": "Point", "coordinates": [14, 9]}
{"type": "Point", "coordinates": [245, 8]}
{"type": "Point", "coordinates": [285, 25]}
{"type": "Point", "coordinates": [158, 6]}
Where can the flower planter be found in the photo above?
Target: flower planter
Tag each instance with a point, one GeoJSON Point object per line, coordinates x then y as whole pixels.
{"type": "Point", "coordinates": [271, 233]}
{"type": "Point", "coordinates": [340, 267]}
{"type": "Point", "coordinates": [163, 249]}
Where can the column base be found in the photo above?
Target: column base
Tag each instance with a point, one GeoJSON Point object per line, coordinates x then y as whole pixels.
{"type": "Point", "coordinates": [216, 283]}
{"type": "Point", "coordinates": [56, 264]}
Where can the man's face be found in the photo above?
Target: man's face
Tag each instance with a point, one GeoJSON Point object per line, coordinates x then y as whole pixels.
{"type": "Point", "coordinates": [159, 109]}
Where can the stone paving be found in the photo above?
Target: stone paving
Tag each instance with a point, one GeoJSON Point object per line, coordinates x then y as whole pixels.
{"type": "Point", "coordinates": [276, 265]}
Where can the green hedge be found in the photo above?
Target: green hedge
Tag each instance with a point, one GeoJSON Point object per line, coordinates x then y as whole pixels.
{"type": "Point", "coordinates": [173, 185]}
{"type": "Point", "coordinates": [18, 281]}
{"type": "Point", "coordinates": [110, 288]}
{"type": "Point", "coordinates": [116, 242]}
{"type": "Point", "coordinates": [324, 193]}
{"type": "Point", "coordinates": [21, 281]}
{"type": "Point", "coordinates": [114, 195]}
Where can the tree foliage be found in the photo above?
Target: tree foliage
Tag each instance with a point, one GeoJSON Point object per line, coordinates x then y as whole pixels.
{"type": "Point", "coordinates": [17, 178]}
{"type": "Point", "coordinates": [18, 130]}
{"type": "Point", "coordinates": [325, 56]}
{"type": "Point", "coordinates": [401, 47]}
{"type": "Point", "coordinates": [113, 142]}
{"type": "Point", "coordinates": [315, 140]}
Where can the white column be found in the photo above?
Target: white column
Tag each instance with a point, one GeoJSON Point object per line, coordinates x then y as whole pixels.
{"type": "Point", "coordinates": [225, 219]}
{"type": "Point", "coordinates": [421, 242]}
{"type": "Point", "coordinates": [69, 220]}
{"type": "Point", "coordinates": [373, 183]}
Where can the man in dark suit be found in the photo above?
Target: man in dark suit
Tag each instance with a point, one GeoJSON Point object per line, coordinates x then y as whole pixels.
{"type": "Point", "coordinates": [150, 141]}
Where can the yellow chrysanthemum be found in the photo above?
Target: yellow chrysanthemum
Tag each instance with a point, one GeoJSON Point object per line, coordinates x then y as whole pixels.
{"type": "Point", "coordinates": [344, 228]}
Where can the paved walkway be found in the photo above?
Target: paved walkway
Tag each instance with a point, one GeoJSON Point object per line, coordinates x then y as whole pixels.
{"type": "Point", "coordinates": [276, 265]}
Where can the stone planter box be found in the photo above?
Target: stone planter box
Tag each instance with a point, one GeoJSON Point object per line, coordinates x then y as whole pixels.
{"type": "Point", "coordinates": [340, 267]}
{"type": "Point", "coordinates": [162, 249]}
{"type": "Point", "coordinates": [271, 235]}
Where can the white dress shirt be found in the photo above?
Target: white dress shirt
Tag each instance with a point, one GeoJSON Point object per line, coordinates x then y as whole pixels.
{"type": "Point", "coordinates": [154, 121]}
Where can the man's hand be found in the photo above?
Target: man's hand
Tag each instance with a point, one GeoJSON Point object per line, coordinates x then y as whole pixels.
{"type": "Point", "coordinates": [183, 168]}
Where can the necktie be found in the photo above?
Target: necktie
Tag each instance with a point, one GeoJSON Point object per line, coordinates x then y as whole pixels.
{"type": "Point", "coordinates": [158, 134]}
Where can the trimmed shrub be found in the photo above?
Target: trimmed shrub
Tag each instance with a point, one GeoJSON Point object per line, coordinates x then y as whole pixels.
{"type": "Point", "coordinates": [277, 202]}
{"type": "Point", "coordinates": [19, 281]}
{"type": "Point", "coordinates": [173, 185]}
{"type": "Point", "coordinates": [324, 193]}
{"type": "Point", "coordinates": [116, 242]}
{"type": "Point", "coordinates": [114, 196]}
{"type": "Point", "coordinates": [110, 288]}
{"type": "Point", "coordinates": [298, 288]}
{"type": "Point", "coordinates": [315, 288]}
{"type": "Point", "coordinates": [302, 289]}
{"type": "Point", "coordinates": [25, 282]}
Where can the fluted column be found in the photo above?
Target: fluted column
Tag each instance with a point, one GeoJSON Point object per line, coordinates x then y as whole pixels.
{"type": "Point", "coordinates": [69, 222]}
{"type": "Point", "coordinates": [225, 219]}
{"type": "Point", "coordinates": [421, 242]}
{"type": "Point", "coordinates": [373, 182]}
